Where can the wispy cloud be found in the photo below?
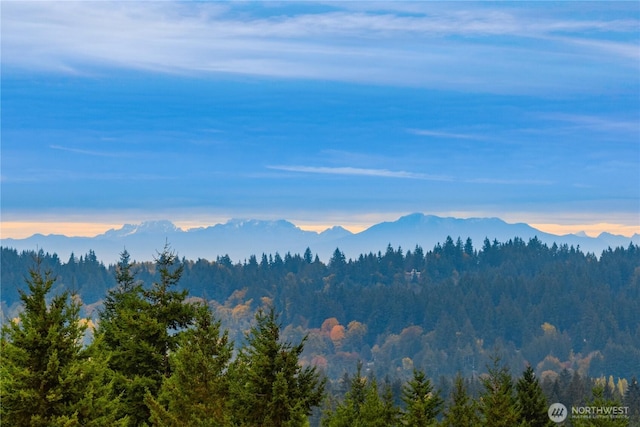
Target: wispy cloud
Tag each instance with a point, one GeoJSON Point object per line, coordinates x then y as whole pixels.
{"type": "Point", "coordinates": [509, 181]}
{"type": "Point", "coordinates": [386, 173]}
{"type": "Point", "coordinates": [380, 173]}
{"type": "Point", "coordinates": [472, 48]}
{"type": "Point", "coordinates": [88, 152]}
{"type": "Point", "coordinates": [440, 134]}
{"type": "Point", "coordinates": [596, 123]}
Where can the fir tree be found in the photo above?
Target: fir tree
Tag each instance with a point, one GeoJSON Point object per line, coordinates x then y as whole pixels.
{"type": "Point", "coordinates": [600, 401]}
{"type": "Point", "coordinates": [632, 401]}
{"type": "Point", "coordinates": [422, 403]}
{"type": "Point", "coordinates": [531, 401]}
{"type": "Point", "coordinates": [498, 404]}
{"type": "Point", "coordinates": [47, 377]}
{"type": "Point", "coordinates": [140, 327]}
{"type": "Point", "coordinates": [362, 405]}
{"type": "Point", "coordinates": [462, 410]}
{"type": "Point", "coordinates": [347, 413]}
{"type": "Point", "coordinates": [268, 385]}
{"type": "Point", "coordinates": [196, 393]}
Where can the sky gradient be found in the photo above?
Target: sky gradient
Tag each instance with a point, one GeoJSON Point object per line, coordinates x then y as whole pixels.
{"type": "Point", "coordinates": [319, 113]}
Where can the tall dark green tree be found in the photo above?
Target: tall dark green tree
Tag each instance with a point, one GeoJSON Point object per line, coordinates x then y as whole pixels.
{"type": "Point", "coordinates": [632, 401]}
{"type": "Point", "coordinates": [600, 401]}
{"type": "Point", "coordinates": [268, 385]}
{"type": "Point", "coordinates": [462, 411]}
{"type": "Point", "coordinates": [196, 393]}
{"type": "Point", "coordinates": [140, 327]}
{"type": "Point", "coordinates": [363, 406]}
{"type": "Point", "coordinates": [531, 401]}
{"type": "Point", "coordinates": [422, 402]}
{"type": "Point", "coordinates": [47, 376]}
{"type": "Point", "coordinates": [498, 403]}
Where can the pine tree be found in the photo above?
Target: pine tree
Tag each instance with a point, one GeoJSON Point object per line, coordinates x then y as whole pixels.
{"type": "Point", "coordinates": [531, 401]}
{"type": "Point", "coordinates": [268, 385]}
{"type": "Point", "coordinates": [600, 401]}
{"type": "Point", "coordinates": [422, 403]}
{"type": "Point", "coordinates": [498, 404]}
{"type": "Point", "coordinates": [390, 412]}
{"type": "Point", "coordinates": [140, 327]}
{"type": "Point", "coordinates": [372, 411]}
{"type": "Point", "coordinates": [363, 406]}
{"type": "Point", "coordinates": [196, 393]}
{"type": "Point", "coordinates": [462, 410]}
{"type": "Point", "coordinates": [632, 401]}
{"type": "Point", "coordinates": [347, 413]}
{"type": "Point", "coordinates": [47, 377]}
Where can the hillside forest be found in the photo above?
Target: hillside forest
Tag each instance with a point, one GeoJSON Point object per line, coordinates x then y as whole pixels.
{"type": "Point", "coordinates": [489, 335]}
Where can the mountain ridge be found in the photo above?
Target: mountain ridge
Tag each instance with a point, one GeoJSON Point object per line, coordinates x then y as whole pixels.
{"type": "Point", "coordinates": [240, 238]}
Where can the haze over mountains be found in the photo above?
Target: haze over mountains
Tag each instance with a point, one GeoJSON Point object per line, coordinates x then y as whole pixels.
{"type": "Point", "coordinates": [239, 238]}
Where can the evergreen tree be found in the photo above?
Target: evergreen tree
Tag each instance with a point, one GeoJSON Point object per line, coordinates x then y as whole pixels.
{"type": "Point", "coordinates": [462, 410]}
{"type": "Point", "coordinates": [498, 403]}
{"type": "Point", "coordinates": [531, 401]}
{"type": "Point", "coordinates": [140, 327]}
{"type": "Point", "coordinates": [390, 412]}
{"type": "Point", "coordinates": [47, 378]}
{"type": "Point", "coordinates": [347, 413]}
{"type": "Point", "coordinates": [373, 412]}
{"type": "Point", "coordinates": [362, 405]}
{"type": "Point", "coordinates": [600, 401]}
{"type": "Point", "coordinates": [196, 393]}
{"type": "Point", "coordinates": [268, 385]}
{"type": "Point", "coordinates": [632, 401]}
{"type": "Point", "coordinates": [422, 403]}
{"type": "Point", "coordinates": [167, 305]}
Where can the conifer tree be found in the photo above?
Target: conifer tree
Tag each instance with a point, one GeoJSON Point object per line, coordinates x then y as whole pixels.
{"type": "Point", "coordinates": [498, 404]}
{"type": "Point", "coordinates": [462, 411]}
{"type": "Point", "coordinates": [347, 413]}
{"type": "Point", "coordinates": [196, 393]}
{"type": "Point", "coordinates": [362, 405]}
{"type": "Point", "coordinates": [268, 385]}
{"type": "Point", "coordinates": [140, 327]}
{"type": "Point", "coordinates": [47, 377]}
{"type": "Point", "coordinates": [632, 401]}
{"type": "Point", "coordinates": [372, 411]}
{"type": "Point", "coordinates": [390, 412]}
{"type": "Point", "coordinates": [531, 401]}
{"type": "Point", "coordinates": [600, 420]}
{"type": "Point", "coordinates": [422, 403]}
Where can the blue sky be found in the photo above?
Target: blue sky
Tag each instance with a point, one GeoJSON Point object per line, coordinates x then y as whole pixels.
{"type": "Point", "coordinates": [321, 113]}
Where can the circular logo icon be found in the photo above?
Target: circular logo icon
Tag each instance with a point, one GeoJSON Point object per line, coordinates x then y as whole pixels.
{"type": "Point", "coordinates": [557, 412]}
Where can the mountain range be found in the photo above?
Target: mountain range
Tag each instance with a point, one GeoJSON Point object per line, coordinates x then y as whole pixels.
{"type": "Point", "coordinates": [240, 238]}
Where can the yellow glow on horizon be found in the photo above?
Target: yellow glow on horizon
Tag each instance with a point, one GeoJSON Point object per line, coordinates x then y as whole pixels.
{"type": "Point", "coordinates": [591, 230]}
{"type": "Point", "coordinates": [21, 230]}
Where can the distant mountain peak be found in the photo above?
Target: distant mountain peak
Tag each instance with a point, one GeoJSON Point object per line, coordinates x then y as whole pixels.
{"type": "Point", "coordinates": [335, 232]}
{"type": "Point", "coordinates": [257, 223]}
{"type": "Point", "coordinates": [145, 227]}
